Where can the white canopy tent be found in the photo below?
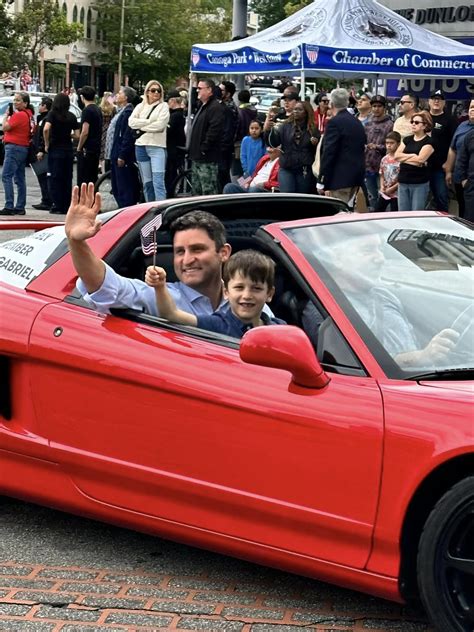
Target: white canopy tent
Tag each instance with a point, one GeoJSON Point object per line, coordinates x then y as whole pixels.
{"type": "Point", "coordinates": [344, 39]}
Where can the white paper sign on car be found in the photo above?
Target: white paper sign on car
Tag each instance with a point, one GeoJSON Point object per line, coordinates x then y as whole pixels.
{"type": "Point", "coordinates": [21, 260]}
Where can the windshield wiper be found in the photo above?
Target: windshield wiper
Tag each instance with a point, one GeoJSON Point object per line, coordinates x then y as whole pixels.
{"type": "Point", "coordinates": [464, 373]}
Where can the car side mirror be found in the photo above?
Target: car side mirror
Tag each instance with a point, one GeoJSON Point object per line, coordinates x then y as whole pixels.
{"type": "Point", "coordinates": [284, 347]}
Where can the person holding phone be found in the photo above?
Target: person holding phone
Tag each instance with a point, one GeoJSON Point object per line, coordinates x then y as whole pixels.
{"type": "Point", "coordinates": [18, 125]}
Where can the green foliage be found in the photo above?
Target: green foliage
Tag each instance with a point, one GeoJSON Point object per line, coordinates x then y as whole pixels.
{"type": "Point", "coordinates": [269, 12]}
{"type": "Point", "coordinates": [41, 25]}
{"type": "Point", "coordinates": [8, 45]}
{"type": "Point", "coordinates": [158, 34]}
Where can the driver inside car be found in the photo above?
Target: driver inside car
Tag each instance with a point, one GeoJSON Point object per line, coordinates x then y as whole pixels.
{"type": "Point", "coordinates": [381, 311]}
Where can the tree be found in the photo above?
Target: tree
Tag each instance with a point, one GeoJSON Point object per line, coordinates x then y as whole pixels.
{"type": "Point", "coordinates": [41, 25]}
{"type": "Point", "coordinates": [8, 47]}
{"type": "Point", "coordinates": [158, 34]}
{"type": "Point", "coordinates": [271, 12]}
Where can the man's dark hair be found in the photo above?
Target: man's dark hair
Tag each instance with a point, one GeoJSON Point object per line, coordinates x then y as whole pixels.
{"type": "Point", "coordinates": [47, 102]}
{"type": "Point", "coordinates": [251, 264]}
{"type": "Point", "coordinates": [130, 94]}
{"type": "Point", "coordinates": [229, 87]}
{"type": "Point", "coordinates": [209, 83]}
{"type": "Point", "coordinates": [244, 96]}
{"type": "Point", "coordinates": [88, 93]}
{"type": "Point", "coordinates": [203, 220]}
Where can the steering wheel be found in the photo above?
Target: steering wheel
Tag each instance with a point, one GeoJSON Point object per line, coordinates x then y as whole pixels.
{"type": "Point", "coordinates": [464, 325]}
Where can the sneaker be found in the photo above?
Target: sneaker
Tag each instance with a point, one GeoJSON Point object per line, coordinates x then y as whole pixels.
{"type": "Point", "coordinates": [41, 207]}
{"type": "Point", "coordinates": [7, 211]}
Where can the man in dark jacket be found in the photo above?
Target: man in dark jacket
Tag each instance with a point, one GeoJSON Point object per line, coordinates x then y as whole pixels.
{"type": "Point", "coordinates": [465, 162]}
{"type": "Point", "coordinates": [125, 184]}
{"type": "Point", "coordinates": [342, 167]}
{"type": "Point", "coordinates": [231, 120]}
{"type": "Point", "coordinates": [38, 140]}
{"type": "Point", "coordinates": [175, 139]}
{"type": "Point", "coordinates": [205, 141]}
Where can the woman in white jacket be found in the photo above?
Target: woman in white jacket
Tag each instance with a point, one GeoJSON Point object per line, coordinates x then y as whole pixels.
{"type": "Point", "coordinates": [149, 120]}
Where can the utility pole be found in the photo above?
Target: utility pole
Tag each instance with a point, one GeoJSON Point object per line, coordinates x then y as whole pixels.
{"type": "Point", "coordinates": [239, 29]}
{"type": "Point", "coordinates": [118, 81]}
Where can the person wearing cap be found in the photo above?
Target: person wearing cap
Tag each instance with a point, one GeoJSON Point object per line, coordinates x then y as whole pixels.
{"type": "Point", "coordinates": [289, 99]}
{"type": "Point", "coordinates": [408, 107]}
{"type": "Point", "coordinates": [38, 140]}
{"type": "Point", "coordinates": [175, 139]}
{"type": "Point", "coordinates": [376, 129]}
{"type": "Point", "coordinates": [444, 126]}
{"type": "Point", "coordinates": [364, 107]}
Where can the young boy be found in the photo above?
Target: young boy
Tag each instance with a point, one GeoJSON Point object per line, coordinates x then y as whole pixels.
{"type": "Point", "coordinates": [389, 168]}
{"type": "Point", "coordinates": [249, 283]}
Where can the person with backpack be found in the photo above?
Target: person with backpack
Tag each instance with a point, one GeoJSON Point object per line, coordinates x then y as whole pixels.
{"type": "Point", "coordinates": [18, 127]}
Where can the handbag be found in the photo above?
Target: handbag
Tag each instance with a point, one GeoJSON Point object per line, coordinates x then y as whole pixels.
{"type": "Point", "coordinates": [136, 133]}
{"type": "Point", "coordinates": [40, 166]}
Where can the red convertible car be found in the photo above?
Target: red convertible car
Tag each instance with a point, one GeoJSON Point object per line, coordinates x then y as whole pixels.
{"type": "Point", "coordinates": [338, 446]}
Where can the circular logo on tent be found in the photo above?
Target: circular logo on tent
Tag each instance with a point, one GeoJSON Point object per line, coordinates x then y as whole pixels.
{"type": "Point", "coordinates": [370, 26]}
{"type": "Point", "coordinates": [300, 26]}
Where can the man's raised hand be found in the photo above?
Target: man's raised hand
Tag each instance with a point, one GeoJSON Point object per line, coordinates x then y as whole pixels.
{"type": "Point", "coordinates": [81, 218]}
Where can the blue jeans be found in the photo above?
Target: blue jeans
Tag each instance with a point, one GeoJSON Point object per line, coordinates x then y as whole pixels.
{"type": "Point", "coordinates": [233, 187]}
{"type": "Point", "coordinates": [14, 170]}
{"type": "Point", "coordinates": [439, 189]}
{"type": "Point", "coordinates": [152, 164]}
{"type": "Point", "coordinates": [372, 183]}
{"type": "Point", "coordinates": [300, 180]}
{"type": "Point", "coordinates": [412, 197]}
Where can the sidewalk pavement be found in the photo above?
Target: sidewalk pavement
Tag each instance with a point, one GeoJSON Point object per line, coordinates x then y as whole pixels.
{"type": "Point", "coordinates": [33, 196]}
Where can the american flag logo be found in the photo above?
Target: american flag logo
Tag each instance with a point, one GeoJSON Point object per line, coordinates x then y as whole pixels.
{"type": "Point", "coordinates": [148, 235]}
{"type": "Point", "coordinates": [195, 58]}
{"type": "Point", "coordinates": [312, 53]}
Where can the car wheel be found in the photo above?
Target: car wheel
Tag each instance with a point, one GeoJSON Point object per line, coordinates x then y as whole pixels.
{"type": "Point", "coordinates": [446, 560]}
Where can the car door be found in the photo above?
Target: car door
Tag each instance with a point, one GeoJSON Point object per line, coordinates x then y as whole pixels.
{"type": "Point", "coordinates": [171, 425]}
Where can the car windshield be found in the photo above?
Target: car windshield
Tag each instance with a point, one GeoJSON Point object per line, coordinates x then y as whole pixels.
{"type": "Point", "coordinates": [402, 282]}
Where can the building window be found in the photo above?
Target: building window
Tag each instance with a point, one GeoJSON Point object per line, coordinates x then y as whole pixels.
{"type": "Point", "coordinates": [89, 24]}
{"type": "Point", "coordinates": [64, 9]}
{"type": "Point", "coordinates": [74, 14]}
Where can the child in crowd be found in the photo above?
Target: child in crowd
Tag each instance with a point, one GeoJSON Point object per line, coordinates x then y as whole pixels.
{"type": "Point", "coordinates": [389, 168]}
{"type": "Point", "coordinates": [252, 148]}
{"type": "Point", "coordinates": [249, 283]}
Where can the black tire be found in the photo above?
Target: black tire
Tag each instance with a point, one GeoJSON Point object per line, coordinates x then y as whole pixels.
{"type": "Point", "coordinates": [183, 186]}
{"type": "Point", "coordinates": [446, 560]}
{"type": "Point", "coordinates": [103, 186]}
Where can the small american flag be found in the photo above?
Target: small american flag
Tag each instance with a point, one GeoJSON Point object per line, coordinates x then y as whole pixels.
{"type": "Point", "coordinates": [148, 235]}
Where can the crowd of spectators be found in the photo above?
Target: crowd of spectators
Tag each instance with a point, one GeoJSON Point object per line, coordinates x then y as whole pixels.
{"type": "Point", "coordinates": [339, 146]}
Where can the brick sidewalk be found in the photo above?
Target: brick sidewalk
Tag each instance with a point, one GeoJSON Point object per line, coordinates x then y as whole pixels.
{"type": "Point", "coordinates": [71, 599]}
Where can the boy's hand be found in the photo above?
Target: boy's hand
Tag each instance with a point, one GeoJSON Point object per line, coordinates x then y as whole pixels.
{"type": "Point", "coordinates": [155, 276]}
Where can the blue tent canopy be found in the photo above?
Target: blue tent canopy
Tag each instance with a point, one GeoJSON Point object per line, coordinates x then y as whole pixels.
{"type": "Point", "coordinates": [347, 38]}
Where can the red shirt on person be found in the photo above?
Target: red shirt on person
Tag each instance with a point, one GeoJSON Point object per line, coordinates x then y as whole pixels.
{"type": "Point", "coordinates": [20, 132]}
